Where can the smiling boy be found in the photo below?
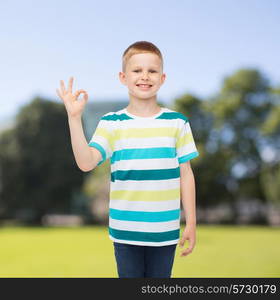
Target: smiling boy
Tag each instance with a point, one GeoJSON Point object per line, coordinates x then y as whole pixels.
{"type": "Point", "coordinates": [143, 75]}
{"type": "Point", "coordinates": [150, 148]}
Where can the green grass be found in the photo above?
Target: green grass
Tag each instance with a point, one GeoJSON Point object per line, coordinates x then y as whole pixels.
{"type": "Point", "coordinates": [220, 251]}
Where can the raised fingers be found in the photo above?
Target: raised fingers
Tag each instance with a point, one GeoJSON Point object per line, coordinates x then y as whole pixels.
{"type": "Point", "coordinates": [62, 86]}
{"type": "Point", "coordinates": [58, 93]}
{"type": "Point", "coordinates": [70, 85]}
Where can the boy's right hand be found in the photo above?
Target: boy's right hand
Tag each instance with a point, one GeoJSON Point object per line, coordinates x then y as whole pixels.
{"type": "Point", "coordinates": [74, 107]}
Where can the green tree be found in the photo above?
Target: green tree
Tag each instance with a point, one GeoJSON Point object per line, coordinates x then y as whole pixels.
{"type": "Point", "coordinates": [240, 111]}
{"type": "Point", "coordinates": [9, 175]}
{"type": "Point", "coordinates": [231, 130]}
{"type": "Point", "coordinates": [38, 169]}
{"type": "Point", "coordinates": [270, 172]}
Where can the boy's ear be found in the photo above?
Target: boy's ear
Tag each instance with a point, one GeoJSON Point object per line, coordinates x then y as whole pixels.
{"type": "Point", "coordinates": [163, 77]}
{"type": "Point", "coordinates": [122, 77]}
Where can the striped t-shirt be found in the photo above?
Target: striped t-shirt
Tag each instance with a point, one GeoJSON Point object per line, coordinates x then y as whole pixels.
{"type": "Point", "coordinates": [145, 154]}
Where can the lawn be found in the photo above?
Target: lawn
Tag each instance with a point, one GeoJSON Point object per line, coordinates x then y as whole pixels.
{"type": "Point", "coordinates": [220, 251]}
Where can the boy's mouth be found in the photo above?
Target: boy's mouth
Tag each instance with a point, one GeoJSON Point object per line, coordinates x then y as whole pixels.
{"type": "Point", "coordinates": [144, 86]}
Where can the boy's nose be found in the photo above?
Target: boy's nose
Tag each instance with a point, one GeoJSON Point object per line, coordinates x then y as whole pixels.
{"type": "Point", "coordinates": [145, 75]}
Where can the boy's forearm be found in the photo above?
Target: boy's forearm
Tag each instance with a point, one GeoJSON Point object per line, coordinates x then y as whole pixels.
{"type": "Point", "coordinates": [187, 184]}
{"type": "Point", "coordinates": [81, 150]}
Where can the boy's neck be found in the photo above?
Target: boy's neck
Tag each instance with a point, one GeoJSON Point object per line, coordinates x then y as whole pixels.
{"type": "Point", "coordinates": [143, 108]}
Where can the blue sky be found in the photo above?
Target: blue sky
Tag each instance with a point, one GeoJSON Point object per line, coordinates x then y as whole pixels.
{"type": "Point", "coordinates": [201, 41]}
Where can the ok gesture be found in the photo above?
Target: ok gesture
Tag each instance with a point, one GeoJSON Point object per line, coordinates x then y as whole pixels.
{"type": "Point", "coordinates": [74, 107]}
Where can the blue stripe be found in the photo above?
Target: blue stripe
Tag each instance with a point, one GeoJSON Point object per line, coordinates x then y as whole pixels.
{"type": "Point", "coordinates": [144, 236]}
{"type": "Point", "coordinates": [173, 115]}
{"type": "Point", "coordinates": [144, 216]}
{"type": "Point", "coordinates": [157, 174]}
{"type": "Point", "coordinates": [165, 115]}
{"type": "Point", "coordinates": [185, 158]}
{"type": "Point", "coordinates": [101, 150]}
{"type": "Point", "coordinates": [146, 153]}
{"type": "Point", "coordinates": [116, 117]}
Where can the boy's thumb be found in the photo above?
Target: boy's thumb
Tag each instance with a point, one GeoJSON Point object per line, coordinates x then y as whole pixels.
{"type": "Point", "coordinates": [85, 97]}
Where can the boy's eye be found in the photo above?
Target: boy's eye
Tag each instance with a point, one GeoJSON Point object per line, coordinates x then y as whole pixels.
{"type": "Point", "coordinates": [152, 71]}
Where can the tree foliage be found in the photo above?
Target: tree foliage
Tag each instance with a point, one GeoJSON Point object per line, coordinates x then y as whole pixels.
{"type": "Point", "coordinates": [232, 129]}
{"type": "Point", "coordinates": [38, 170]}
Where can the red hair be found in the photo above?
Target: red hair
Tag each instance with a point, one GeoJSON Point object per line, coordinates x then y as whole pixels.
{"type": "Point", "coordinates": [140, 47]}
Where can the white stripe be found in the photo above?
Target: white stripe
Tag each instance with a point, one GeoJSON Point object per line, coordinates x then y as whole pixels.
{"type": "Point", "coordinates": [148, 123]}
{"type": "Point", "coordinates": [145, 205]}
{"type": "Point", "coordinates": [144, 226]}
{"type": "Point", "coordinates": [105, 124]}
{"type": "Point", "coordinates": [186, 149]}
{"type": "Point", "coordinates": [144, 185]}
{"type": "Point", "coordinates": [145, 164]}
{"type": "Point", "coordinates": [145, 243]}
{"type": "Point", "coordinates": [145, 142]}
{"type": "Point", "coordinates": [103, 142]}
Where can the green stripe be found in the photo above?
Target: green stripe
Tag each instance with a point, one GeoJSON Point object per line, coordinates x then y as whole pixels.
{"type": "Point", "coordinates": [144, 236]}
{"type": "Point", "coordinates": [158, 174]}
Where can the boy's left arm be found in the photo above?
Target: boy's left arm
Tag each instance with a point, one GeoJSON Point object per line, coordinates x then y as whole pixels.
{"type": "Point", "coordinates": [187, 186]}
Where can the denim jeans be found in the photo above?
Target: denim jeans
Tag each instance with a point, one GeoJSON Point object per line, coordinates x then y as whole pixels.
{"type": "Point", "coordinates": [144, 261]}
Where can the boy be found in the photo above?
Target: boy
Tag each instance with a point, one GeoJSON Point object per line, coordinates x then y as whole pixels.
{"type": "Point", "coordinates": [150, 148]}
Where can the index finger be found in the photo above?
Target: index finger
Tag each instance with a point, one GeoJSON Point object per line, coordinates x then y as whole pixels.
{"type": "Point", "coordinates": [62, 86]}
{"type": "Point", "coordinates": [70, 84]}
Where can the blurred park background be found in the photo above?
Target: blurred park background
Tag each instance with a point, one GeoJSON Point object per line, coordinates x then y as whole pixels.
{"type": "Point", "coordinates": [221, 59]}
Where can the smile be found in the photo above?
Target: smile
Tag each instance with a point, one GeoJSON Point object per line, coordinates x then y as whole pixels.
{"type": "Point", "coordinates": [144, 86]}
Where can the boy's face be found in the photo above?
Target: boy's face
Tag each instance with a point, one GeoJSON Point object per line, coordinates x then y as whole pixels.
{"type": "Point", "coordinates": [143, 68]}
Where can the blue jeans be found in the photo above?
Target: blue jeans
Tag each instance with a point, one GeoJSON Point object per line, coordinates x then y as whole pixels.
{"type": "Point", "coordinates": [144, 261]}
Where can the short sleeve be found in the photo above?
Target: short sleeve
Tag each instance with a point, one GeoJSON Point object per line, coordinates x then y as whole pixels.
{"type": "Point", "coordinates": [102, 138]}
{"type": "Point", "coordinates": [185, 144]}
